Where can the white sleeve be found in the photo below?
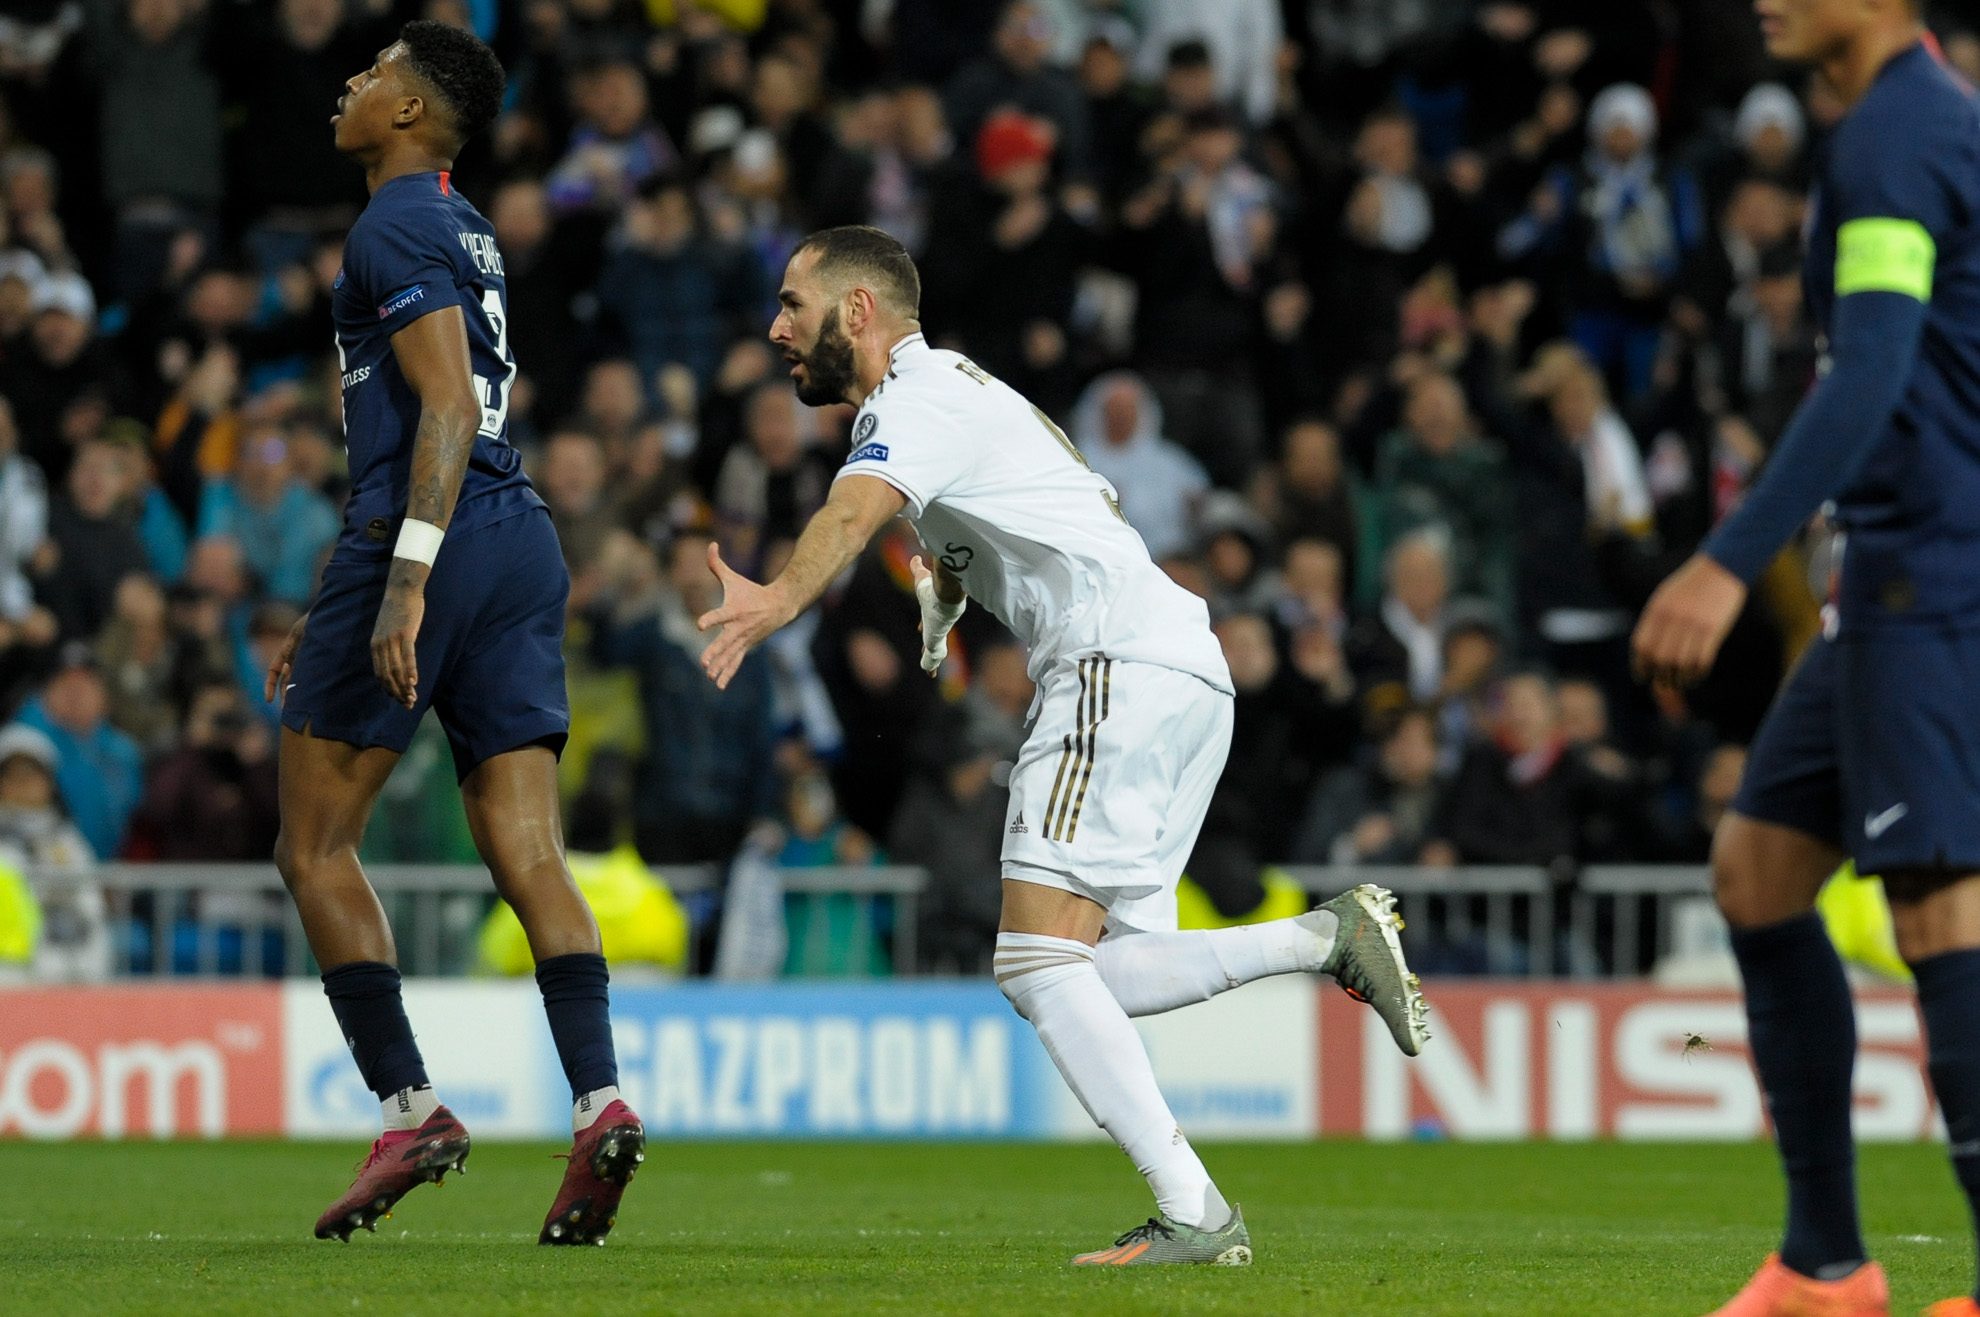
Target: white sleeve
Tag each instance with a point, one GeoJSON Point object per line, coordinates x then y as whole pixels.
{"type": "Point", "coordinates": [912, 446]}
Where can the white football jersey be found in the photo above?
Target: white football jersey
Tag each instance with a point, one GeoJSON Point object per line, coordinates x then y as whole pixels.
{"type": "Point", "coordinates": [1002, 498]}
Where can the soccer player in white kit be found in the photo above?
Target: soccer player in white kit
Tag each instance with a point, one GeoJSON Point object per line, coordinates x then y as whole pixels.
{"type": "Point", "coordinates": [1130, 728]}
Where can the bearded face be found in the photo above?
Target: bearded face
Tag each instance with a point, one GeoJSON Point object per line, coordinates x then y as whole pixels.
{"type": "Point", "coordinates": [825, 372]}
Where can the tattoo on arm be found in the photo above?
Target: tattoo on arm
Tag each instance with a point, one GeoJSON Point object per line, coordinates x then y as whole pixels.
{"type": "Point", "coordinates": [432, 353]}
{"type": "Point", "coordinates": [441, 449]}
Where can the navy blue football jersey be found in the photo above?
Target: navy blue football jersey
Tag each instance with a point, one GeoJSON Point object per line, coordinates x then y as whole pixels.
{"type": "Point", "coordinates": [1897, 210]}
{"type": "Point", "coordinates": [418, 248]}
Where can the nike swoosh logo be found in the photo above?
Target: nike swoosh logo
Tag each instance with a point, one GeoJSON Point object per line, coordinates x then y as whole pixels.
{"type": "Point", "coordinates": [1876, 825]}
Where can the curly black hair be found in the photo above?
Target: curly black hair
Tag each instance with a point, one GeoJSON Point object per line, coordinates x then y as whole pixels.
{"type": "Point", "coordinates": [464, 72]}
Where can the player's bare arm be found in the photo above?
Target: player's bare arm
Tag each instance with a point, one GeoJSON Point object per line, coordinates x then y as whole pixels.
{"type": "Point", "coordinates": [858, 507]}
{"type": "Point", "coordinates": [433, 353]}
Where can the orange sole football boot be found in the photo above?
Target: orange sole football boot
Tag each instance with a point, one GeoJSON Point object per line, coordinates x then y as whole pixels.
{"type": "Point", "coordinates": [1960, 1307]}
{"type": "Point", "coordinates": [1775, 1291]}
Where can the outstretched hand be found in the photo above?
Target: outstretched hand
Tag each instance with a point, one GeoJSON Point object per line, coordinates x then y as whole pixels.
{"type": "Point", "coordinates": [749, 614]}
{"type": "Point", "coordinates": [1678, 637]}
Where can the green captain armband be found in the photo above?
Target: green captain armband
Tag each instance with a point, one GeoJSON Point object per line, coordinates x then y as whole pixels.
{"type": "Point", "coordinates": [1884, 256]}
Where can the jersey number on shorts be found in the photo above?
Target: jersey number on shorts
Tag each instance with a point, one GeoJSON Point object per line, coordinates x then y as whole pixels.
{"type": "Point", "coordinates": [495, 397]}
{"type": "Point", "coordinates": [982, 376]}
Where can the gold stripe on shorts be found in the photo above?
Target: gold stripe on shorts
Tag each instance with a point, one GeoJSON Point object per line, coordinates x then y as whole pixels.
{"type": "Point", "coordinates": [1066, 757]}
{"type": "Point", "coordinates": [1103, 699]}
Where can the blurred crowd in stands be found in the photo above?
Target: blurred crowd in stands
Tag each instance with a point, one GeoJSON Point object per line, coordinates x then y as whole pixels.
{"type": "Point", "coordinates": [1420, 339]}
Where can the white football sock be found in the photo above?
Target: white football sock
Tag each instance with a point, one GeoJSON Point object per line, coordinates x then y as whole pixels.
{"type": "Point", "coordinates": [1052, 983]}
{"type": "Point", "coordinates": [1149, 973]}
{"type": "Point", "coordinates": [408, 1108]}
{"type": "Point", "coordinates": [588, 1106]}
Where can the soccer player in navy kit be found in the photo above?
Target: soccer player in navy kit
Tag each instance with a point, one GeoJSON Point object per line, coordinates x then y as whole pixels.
{"type": "Point", "coordinates": [447, 587]}
{"type": "Point", "coordinates": [1872, 749]}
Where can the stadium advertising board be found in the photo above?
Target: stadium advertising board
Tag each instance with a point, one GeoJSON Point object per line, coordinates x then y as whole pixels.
{"type": "Point", "coordinates": [1241, 1065]}
{"type": "Point", "coordinates": [823, 1060]}
{"type": "Point", "coordinates": [486, 1048]}
{"type": "Point", "coordinates": [1582, 1061]}
{"type": "Point", "coordinates": [1283, 1058]}
{"type": "Point", "coordinates": [937, 1060]}
{"type": "Point", "coordinates": [141, 1062]}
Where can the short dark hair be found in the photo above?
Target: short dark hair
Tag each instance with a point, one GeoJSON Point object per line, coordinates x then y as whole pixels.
{"type": "Point", "coordinates": [860, 253]}
{"type": "Point", "coordinates": [460, 69]}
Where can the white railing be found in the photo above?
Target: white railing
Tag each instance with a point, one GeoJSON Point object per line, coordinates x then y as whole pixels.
{"type": "Point", "coordinates": [1603, 920]}
{"type": "Point", "coordinates": [233, 919]}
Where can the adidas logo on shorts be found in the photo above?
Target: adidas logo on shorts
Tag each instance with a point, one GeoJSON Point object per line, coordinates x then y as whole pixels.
{"type": "Point", "coordinates": [1017, 824]}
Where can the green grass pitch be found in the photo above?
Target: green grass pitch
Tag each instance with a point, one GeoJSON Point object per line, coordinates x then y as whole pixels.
{"type": "Point", "coordinates": [1340, 1228]}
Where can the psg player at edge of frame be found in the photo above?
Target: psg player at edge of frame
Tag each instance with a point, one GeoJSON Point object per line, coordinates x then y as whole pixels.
{"type": "Point", "coordinates": [446, 588]}
{"type": "Point", "coordinates": [1872, 749]}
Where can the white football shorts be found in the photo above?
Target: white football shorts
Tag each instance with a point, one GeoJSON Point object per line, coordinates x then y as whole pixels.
{"type": "Point", "coordinates": [1111, 788]}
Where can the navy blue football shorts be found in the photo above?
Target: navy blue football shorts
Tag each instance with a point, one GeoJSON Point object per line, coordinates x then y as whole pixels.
{"type": "Point", "coordinates": [1874, 747]}
{"type": "Point", "coordinates": [490, 649]}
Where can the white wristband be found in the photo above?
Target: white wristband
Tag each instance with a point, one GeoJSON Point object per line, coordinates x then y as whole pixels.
{"type": "Point", "coordinates": [937, 618]}
{"type": "Point", "coordinates": [419, 541]}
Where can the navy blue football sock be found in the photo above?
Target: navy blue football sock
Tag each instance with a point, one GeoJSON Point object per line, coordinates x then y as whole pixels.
{"type": "Point", "coordinates": [575, 999]}
{"type": "Point", "coordinates": [365, 996]}
{"type": "Point", "coordinates": [1801, 1027]}
{"type": "Point", "coordinates": [1949, 996]}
